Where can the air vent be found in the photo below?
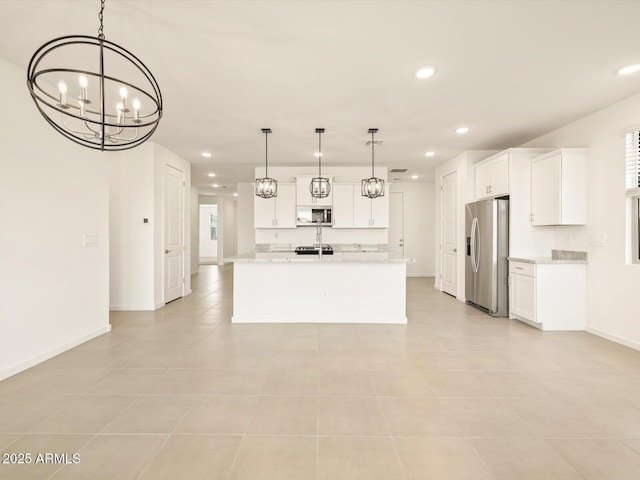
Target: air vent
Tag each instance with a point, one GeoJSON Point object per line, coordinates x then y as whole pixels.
{"type": "Point", "coordinates": [399, 170]}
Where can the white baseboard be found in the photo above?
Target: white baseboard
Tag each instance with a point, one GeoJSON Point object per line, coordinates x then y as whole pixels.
{"type": "Point", "coordinates": [317, 319]}
{"type": "Point", "coordinates": [614, 338]}
{"type": "Point", "coordinates": [41, 357]}
{"type": "Point", "coordinates": [135, 308]}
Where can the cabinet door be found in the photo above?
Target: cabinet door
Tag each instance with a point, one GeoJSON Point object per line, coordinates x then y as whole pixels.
{"type": "Point", "coordinates": [361, 209]}
{"type": "Point", "coordinates": [545, 191]}
{"type": "Point", "coordinates": [342, 205]}
{"type": "Point", "coordinates": [499, 176]}
{"type": "Point", "coordinates": [380, 212]}
{"type": "Point", "coordinates": [483, 180]}
{"type": "Point", "coordinates": [523, 296]}
{"type": "Point", "coordinates": [264, 211]}
{"type": "Point", "coordinates": [285, 209]}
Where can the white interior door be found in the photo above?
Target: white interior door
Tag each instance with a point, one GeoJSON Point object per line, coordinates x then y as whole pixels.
{"type": "Point", "coordinates": [448, 246]}
{"type": "Point", "coordinates": [173, 233]}
{"type": "Point", "coordinates": [396, 223]}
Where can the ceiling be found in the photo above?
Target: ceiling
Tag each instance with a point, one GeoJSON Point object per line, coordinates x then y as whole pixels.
{"type": "Point", "coordinates": [509, 70]}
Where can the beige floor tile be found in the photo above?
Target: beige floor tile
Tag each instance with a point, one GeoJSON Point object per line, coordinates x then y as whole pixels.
{"type": "Point", "coordinates": [204, 359]}
{"type": "Point", "coordinates": [402, 383]}
{"type": "Point", "coordinates": [296, 359]}
{"type": "Point", "coordinates": [418, 417]}
{"type": "Point", "coordinates": [7, 439]}
{"type": "Point", "coordinates": [275, 458]}
{"type": "Point", "coordinates": [437, 361]}
{"type": "Point", "coordinates": [525, 459]}
{"type": "Point", "coordinates": [634, 444]}
{"type": "Point", "coordinates": [219, 414]}
{"type": "Point", "coordinates": [511, 384]}
{"type": "Point", "coordinates": [85, 414]}
{"type": "Point", "coordinates": [441, 459]}
{"type": "Point", "coordinates": [152, 414]}
{"type": "Point", "coordinates": [20, 412]}
{"type": "Point", "coordinates": [109, 457]}
{"type": "Point", "coordinates": [484, 417]}
{"type": "Point", "coordinates": [457, 384]}
{"type": "Point", "coordinates": [343, 359]}
{"type": "Point", "coordinates": [40, 466]}
{"type": "Point", "coordinates": [129, 381]}
{"type": "Point", "coordinates": [358, 416]}
{"type": "Point", "coordinates": [552, 418]}
{"type": "Point", "coordinates": [600, 459]}
{"type": "Point", "coordinates": [183, 381]}
{"type": "Point", "coordinates": [485, 361]}
{"type": "Point", "coordinates": [291, 382]}
{"type": "Point", "coordinates": [346, 383]}
{"type": "Point", "coordinates": [358, 458]}
{"type": "Point", "coordinates": [235, 381]}
{"type": "Point", "coordinates": [194, 457]}
{"type": "Point", "coordinates": [285, 415]}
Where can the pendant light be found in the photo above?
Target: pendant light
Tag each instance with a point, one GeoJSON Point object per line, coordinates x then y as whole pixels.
{"type": "Point", "coordinates": [91, 103]}
{"type": "Point", "coordinates": [372, 187]}
{"type": "Point", "coordinates": [320, 186]}
{"type": "Point", "coordinates": [266, 187]}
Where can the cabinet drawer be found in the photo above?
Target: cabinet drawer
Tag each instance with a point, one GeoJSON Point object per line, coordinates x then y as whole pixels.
{"type": "Point", "coordinates": [522, 268]}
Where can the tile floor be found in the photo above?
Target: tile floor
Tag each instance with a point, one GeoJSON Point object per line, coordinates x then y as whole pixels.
{"type": "Point", "coordinates": [180, 393]}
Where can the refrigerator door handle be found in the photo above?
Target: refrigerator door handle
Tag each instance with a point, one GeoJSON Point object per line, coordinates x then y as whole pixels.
{"type": "Point", "coordinates": [474, 230]}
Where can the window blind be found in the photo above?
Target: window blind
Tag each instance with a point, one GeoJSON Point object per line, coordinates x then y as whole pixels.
{"type": "Point", "coordinates": [632, 149]}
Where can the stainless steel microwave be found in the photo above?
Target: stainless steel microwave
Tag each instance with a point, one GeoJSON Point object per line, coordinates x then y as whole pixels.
{"type": "Point", "coordinates": [309, 216]}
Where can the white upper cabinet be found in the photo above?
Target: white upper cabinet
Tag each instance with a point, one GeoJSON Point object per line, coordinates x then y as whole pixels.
{"type": "Point", "coordinates": [492, 177]}
{"type": "Point", "coordinates": [304, 193]}
{"type": "Point", "coordinates": [352, 210]}
{"type": "Point", "coordinates": [277, 212]}
{"type": "Point", "coordinates": [559, 188]}
{"type": "Point", "coordinates": [342, 205]}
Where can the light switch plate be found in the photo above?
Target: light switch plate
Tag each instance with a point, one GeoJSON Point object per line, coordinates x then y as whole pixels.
{"type": "Point", "coordinates": [90, 240]}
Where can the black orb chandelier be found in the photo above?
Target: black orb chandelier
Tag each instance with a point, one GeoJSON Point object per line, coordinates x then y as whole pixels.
{"type": "Point", "coordinates": [320, 186]}
{"type": "Point", "coordinates": [103, 78]}
{"type": "Point", "coordinates": [266, 187]}
{"type": "Point", "coordinates": [372, 187]}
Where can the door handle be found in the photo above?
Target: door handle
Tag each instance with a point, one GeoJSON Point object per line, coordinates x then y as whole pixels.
{"type": "Point", "coordinates": [454, 250]}
{"type": "Point", "coordinates": [167, 251]}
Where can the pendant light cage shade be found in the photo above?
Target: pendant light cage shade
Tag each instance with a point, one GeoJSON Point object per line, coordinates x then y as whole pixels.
{"type": "Point", "coordinates": [266, 187]}
{"type": "Point", "coordinates": [94, 92]}
{"type": "Point", "coordinates": [373, 187]}
{"type": "Point", "coordinates": [320, 187]}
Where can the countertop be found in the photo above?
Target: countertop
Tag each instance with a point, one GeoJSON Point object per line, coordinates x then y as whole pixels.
{"type": "Point", "coordinates": [288, 257]}
{"type": "Point", "coordinates": [557, 257]}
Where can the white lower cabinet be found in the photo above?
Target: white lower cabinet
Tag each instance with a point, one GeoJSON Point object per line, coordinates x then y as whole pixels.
{"type": "Point", "coordinates": [550, 296]}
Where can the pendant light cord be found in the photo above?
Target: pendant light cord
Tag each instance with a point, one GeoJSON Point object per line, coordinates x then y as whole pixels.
{"type": "Point", "coordinates": [372, 144]}
{"type": "Point", "coordinates": [100, 17]}
{"type": "Point", "coordinates": [319, 154]}
{"type": "Point", "coordinates": [266, 155]}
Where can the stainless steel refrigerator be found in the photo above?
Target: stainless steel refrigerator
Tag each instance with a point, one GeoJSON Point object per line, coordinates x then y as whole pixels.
{"type": "Point", "coordinates": [487, 249]}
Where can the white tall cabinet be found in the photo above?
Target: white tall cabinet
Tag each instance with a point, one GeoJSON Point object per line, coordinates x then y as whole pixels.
{"type": "Point", "coordinates": [276, 212]}
{"type": "Point", "coordinates": [559, 188]}
{"type": "Point", "coordinates": [352, 210]}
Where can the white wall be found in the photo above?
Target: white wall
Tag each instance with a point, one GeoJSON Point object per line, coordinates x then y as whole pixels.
{"type": "Point", "coordinates": [230, 231]}
{"type": "Point", "coordinates": [613, 303]}
{"type": "Point", "coordinates": [246, 232]}
{"type": "Point", "coordinates": [54, 293]}
{"type": "Point", "coordinates": [194, 210]}
{"type": "Point", "coordinates": [419, 227]}
{"type": "Point", "coordinates": [466, 184]}
{"type": "Point", "coordinates": [136, 182]}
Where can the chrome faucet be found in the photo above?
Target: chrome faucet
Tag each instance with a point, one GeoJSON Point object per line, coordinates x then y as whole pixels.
{"type": "Point", "coordinates": [319, 237]}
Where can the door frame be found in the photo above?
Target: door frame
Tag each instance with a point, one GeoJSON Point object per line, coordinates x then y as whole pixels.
{"type": "Point", "coordinates": [456, 234]}
{"type": "Point", "coordinates": [163, 285]}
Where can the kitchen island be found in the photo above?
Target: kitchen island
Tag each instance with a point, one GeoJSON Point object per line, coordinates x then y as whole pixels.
{"type": "Point", "coordinates": [342, 288]}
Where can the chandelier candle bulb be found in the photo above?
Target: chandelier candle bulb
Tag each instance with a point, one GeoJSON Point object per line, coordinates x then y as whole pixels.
{"type": "Point", "coordinates": [62, 88]}
{"type": "Point", "coordinates": [84, 98]}
{"type": "Point", "coordinates": [136, 110]}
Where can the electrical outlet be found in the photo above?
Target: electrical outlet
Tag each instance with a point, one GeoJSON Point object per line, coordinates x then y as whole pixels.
{"type": "Point", "coordinates": [90, 240]}
{"type": "Point", "coordinates": [598, 240]}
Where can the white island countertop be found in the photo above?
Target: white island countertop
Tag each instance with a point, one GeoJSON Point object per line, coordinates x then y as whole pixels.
{"type": "Point", "coordinates": [289, 257]}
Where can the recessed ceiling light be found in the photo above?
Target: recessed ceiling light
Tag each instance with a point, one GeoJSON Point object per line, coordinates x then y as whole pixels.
{"type": "Point", "coordinates": [212, 174]}
{"type": "Point", "coordinates": [629, 69]}
{"type": "Point", "coordinates": [206, 154]}
{"type": "Point", "coordinates": [425, 72]}
{"type": "Point", "coordinates": [215, 185]}
{"type": "Point", "coordinates": [317, 154]}
{"type": "Point", "coordinates": [429, 154]}
{"type": "Point", "coordinates": [462, 130]}
{"type": "Point", "coordinates": [414, 176]}
{"type": "Point", "coordinates": [235, 194]}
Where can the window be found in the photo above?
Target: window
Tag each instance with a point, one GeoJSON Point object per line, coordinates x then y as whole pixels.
{"type": "Point", "coordinates": [213, 225]}
{"type": "Point", "coordinates": [632, 144]}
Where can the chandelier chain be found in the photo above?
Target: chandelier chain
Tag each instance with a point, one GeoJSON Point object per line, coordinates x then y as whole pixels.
{"type": "Point", "coordinates": [100, 17]}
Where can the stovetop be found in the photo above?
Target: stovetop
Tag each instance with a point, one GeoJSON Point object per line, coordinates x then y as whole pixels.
{"type": "Point", "coordinates": [313, 250]}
